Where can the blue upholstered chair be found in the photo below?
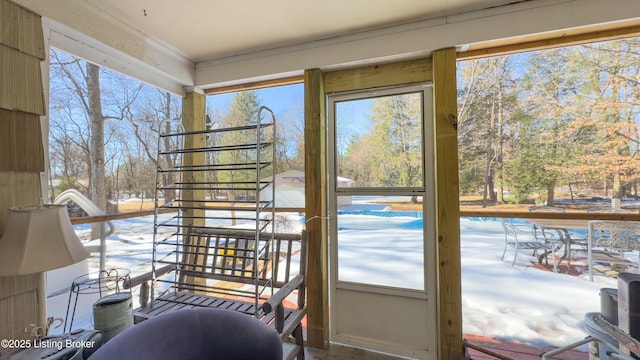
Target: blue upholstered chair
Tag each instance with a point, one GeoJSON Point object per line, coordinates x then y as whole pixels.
{"type": "Point", "coordinates": [195, 334]}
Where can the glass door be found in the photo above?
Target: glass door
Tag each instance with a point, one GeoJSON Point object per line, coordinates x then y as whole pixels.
{"type": "Point", "coordinates": [382, 224]}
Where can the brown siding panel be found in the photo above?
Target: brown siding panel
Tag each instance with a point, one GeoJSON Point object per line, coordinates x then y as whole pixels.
{"type": "Point", "coordinates": [16, 189]}
{"type": "Point", "coordinates": [21, 87]}
{"type": "Point", "coordinates": [20, 142]}
{"type": "Point", "coordinates": [18, 305]}
{"type": "Point", "coordinates": [22, 102]}
{"type": "Point", "coordinates": [21, 29]}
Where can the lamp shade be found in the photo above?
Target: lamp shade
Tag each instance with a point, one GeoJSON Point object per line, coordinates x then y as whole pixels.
{"type": "Point", "coordinates": [37, 239]}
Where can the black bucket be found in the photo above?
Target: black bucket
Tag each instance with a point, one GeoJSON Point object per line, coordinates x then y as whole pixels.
{"type": "Point", "coordinates": [609, 305]}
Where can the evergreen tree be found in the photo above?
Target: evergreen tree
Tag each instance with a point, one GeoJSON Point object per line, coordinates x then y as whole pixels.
{"type": "Point", "coordinates": [243, 111]}
{"type": "Point", "coordinates": [487, 103]}
{"type": "Point", "coordinates": [396, 131]}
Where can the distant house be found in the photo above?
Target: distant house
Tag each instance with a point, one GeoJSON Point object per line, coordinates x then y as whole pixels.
{"type": "Point", "coordinates": [290, 189]}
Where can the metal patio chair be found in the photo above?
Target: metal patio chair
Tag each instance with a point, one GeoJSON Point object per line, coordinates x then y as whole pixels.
{"type": "Point", "coordinates": [524, 237]}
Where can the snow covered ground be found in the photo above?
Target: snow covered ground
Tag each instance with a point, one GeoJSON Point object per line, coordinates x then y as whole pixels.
{"type": "Point", "coordinates": [519, 303]}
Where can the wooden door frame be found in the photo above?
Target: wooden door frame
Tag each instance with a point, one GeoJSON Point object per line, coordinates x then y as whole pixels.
{"type": "Point", "coordinates": [441, 70]}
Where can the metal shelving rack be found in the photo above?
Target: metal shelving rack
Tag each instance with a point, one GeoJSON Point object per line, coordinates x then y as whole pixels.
{"type": "Point", "coordinates": [230, 187]}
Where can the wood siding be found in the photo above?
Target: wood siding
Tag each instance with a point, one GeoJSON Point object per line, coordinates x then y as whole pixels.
{"type": "Point", "coordinates": [22, 298]}
{"type": "Point", "coordinates": [20, 142]}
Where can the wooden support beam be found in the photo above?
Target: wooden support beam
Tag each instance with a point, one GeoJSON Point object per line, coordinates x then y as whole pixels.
{"type": "Point", "coordinates": [373, 76]}
{"type": "Point", "coordinates": [555, 39]}
{"type": "Point", "coordinates": [447, 208]}
{"type": "Point", "coordinates": [316, 209]}
{"type": "Point", "coordinates": [193, 119]}
{"type": "Point", "coordinates": [255, 85]}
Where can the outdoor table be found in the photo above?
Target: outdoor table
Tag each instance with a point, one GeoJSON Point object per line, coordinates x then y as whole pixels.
{"type": "Point", "coordinates": [562, 226]}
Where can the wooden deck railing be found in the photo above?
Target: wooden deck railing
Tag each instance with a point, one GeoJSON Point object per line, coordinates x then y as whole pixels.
{"type": "Point", "coordinates": [543, 215]}
{"type": "Point", "coordinates": [463, 213]}
{"type": "Point", "coordinates": [101, 249]}
{"type": "Point", "coordinates": [135, 214]}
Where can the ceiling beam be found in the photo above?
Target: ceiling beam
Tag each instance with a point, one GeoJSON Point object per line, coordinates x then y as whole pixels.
{"type": "Point", "coordinates": [139, 58]}
{"type": "Point", "coordinates": [550, 40]}
{"type": "Point", "coordinates": [416, 39]}
{"type": "Point", "coordinates": [255, 85]}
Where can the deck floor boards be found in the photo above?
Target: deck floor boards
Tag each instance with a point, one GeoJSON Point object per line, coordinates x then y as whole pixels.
{"type": "Point", "coordinates": [519, 351]}
{"type": "Point", "coordinates": [508, 350]}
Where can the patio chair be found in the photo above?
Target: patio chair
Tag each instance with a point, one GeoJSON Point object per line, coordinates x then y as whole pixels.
{"type": "Point", "coordinates": [523, 237]}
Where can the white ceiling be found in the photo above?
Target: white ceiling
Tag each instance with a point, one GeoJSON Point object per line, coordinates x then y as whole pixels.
{"type": "Point", "coordinates": [177, 45]}
{"type": "Point", "coordinates": [208, 29]}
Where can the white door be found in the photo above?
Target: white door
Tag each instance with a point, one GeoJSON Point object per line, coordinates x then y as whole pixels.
{"type": "Point", "coordinates": [382, 223]}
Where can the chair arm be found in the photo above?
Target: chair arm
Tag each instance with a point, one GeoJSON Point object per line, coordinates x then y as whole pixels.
{"type": "Point", "coordinates": [143, 280]}
{"type": "Point", "coordinates": [277, 298]}
{"type": "Point", "coordinates": [552, 235]}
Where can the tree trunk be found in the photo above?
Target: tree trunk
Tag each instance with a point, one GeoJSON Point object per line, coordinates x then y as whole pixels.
{"type": "Point", "coordinates": [96, 120]}
{"type": "Point", "coordinates": [550, 193]}
{"type": "Point", "coordinates": [168, 178]}
{"type": "Point", "coordinates": [487, 169]}
{"type": "Point", "coordinates": [617, 190]}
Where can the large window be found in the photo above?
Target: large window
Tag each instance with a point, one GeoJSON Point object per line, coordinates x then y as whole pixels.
{"type": "Point", "coordinates": [104, 133]}
{"type": "Point", "coordinates": [556, 127]}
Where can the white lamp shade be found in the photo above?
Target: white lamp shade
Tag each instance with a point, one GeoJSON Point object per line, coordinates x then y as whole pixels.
{"type": "Point", "coordinates": [37, 239]}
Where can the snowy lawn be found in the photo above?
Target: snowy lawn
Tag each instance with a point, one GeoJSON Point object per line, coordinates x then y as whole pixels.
{"type": "Point", "coordinates": [520, 303]}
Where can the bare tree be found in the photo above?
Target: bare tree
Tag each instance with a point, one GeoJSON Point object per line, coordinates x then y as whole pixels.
{"type": "Point", "coordinates": [82, 79]}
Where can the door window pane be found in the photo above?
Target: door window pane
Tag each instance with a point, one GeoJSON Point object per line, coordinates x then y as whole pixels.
{"type": "Point", "coordinates": [380, 241]}
{"type": "Point", "coordinates": [379, 142]}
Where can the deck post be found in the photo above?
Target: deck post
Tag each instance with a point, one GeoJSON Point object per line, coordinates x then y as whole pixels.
{"type": "Point", "coordinates": [316, 209]}
{"type": "Point", "coordinates": [193, 119]}
{"type": "Point", "coordinates": [447, 204]}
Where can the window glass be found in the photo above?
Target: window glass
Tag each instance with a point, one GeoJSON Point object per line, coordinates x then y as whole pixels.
{"type": "Point", "coordinates": [380, 241]}
{"type": "Point", "coordinates": [379, 142]}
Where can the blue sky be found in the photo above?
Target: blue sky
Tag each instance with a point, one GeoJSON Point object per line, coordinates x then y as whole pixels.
{"type": "Point", "coordinates": [282, 99]}
{"type": "Point", "coordinates": [353, 115]}
{"type": "Point", "coordinates": [279, 99]}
